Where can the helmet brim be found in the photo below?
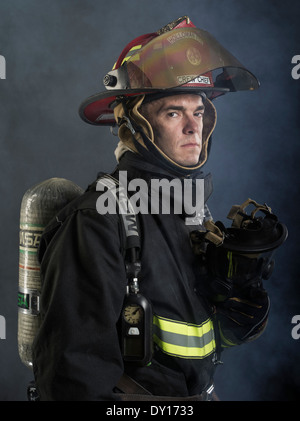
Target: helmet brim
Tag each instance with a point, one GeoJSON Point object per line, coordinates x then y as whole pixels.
{"type": "Point", "coordinates": [98, 109]}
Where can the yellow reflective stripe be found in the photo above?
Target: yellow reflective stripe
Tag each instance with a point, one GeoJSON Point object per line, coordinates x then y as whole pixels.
{"type": "Point", "coordinates": [184, 340]}
{"type": "Point", "coordinates": [130, 54]}
{"type": "Point", "coordinates": [134, 48]}
{"type": "Point", "coordinates": [230, 267]}
{"type": "Point", "coordinates": [183, 328]}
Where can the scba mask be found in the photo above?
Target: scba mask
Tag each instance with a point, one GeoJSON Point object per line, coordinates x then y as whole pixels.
{"type": "Point", "coordinates": [241, 256]}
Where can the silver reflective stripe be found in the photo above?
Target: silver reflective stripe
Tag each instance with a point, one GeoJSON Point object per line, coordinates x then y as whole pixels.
{"type": "Point", "coordinates": [184, 340]}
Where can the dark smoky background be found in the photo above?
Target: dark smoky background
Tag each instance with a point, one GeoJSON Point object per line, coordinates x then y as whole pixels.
{"type": "Point", "coordinates": [57, 54]}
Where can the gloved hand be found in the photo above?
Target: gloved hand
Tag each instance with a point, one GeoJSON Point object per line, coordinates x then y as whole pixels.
{"type": "Point", "coordinates": [243, 317]}
{"type": "Point", "coordinates": [228, 270]}
{"type": "Point", "coordinates": [236, 288]}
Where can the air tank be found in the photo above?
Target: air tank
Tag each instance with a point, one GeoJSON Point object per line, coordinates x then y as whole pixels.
{"type": "Point", "coordinates": [39, 205]}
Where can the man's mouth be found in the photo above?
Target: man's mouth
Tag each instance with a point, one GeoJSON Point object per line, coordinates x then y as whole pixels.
{"type": "Point", "coordinates": [190, 145]}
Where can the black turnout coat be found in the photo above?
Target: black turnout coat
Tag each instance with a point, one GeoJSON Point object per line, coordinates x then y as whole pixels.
{"type": "Point", "coordinates": [76, 353]}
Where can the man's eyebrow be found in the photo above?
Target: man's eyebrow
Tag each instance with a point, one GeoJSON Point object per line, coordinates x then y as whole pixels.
{"type": "Point", "coordinates": [178, 108]}
{"type": "Point", "coordinates": [200, 108]}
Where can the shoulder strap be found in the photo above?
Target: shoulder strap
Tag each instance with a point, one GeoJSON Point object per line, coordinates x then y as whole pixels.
{"type": "Point", "coordinates": [125, 210]}
{"type": "Point", "coordinates": [130, 226]}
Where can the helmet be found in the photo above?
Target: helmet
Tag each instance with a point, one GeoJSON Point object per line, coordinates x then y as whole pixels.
{"type": "Point", "coordinates": [177, 57]}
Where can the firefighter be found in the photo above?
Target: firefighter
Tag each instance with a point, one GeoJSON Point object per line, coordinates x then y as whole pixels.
{"type": "Point", "coordinates": [157, 332]}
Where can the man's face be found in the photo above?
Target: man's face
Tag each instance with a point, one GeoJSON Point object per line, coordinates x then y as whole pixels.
{"type": "Point", "coordinates": [177, 123]}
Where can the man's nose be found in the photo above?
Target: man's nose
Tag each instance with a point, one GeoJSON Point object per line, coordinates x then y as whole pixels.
{"type": "Point", "coordinates": [190, 125]}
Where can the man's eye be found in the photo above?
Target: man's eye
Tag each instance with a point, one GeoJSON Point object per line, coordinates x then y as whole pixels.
{"type": "Point", "coordinates": [199, 114]}
{"type": "Point", "coordinates": [172, 114]}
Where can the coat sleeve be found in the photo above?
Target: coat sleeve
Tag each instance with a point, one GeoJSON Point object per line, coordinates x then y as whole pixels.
{"type": "Point", "coordinates": [76, 353]}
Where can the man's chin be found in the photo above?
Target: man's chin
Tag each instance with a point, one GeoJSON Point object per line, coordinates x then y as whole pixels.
{"type": "Point", "coordinates": [190, 164]}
